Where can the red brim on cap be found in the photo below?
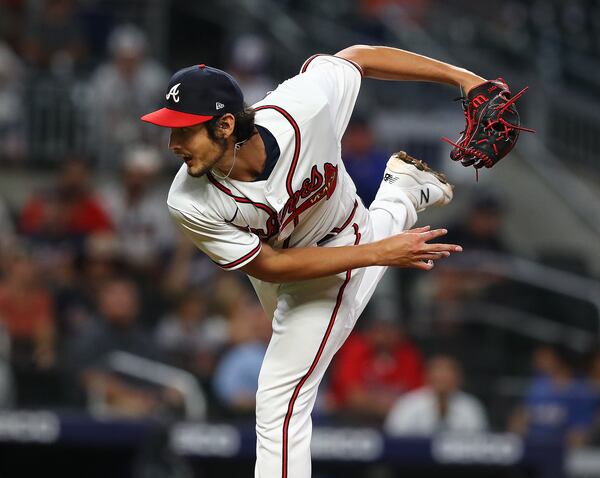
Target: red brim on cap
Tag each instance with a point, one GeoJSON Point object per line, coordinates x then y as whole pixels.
{"type": "Point", "coordinates": [174, 119]}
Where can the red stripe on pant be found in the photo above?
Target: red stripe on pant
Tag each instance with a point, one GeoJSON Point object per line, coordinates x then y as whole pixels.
{"type": "Point", "coordinates": [290, 410]}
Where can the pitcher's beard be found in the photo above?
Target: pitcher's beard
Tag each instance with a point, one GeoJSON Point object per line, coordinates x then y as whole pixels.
{"type": "Point", "coordinates": [221, 144]}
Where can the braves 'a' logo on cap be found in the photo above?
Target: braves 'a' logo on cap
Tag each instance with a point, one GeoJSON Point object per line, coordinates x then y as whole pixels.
{"type": "Point", "coordinates": [219, 105]}
{"type": "Point", "coordinates": [174, 92]}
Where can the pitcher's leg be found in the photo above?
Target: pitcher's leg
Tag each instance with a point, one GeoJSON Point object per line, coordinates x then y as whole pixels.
{"type": "Point", "coordinates": [312, 320]}
{"type": "Point", "coordinates": [408, 186]}
{"type": "Point", "coordinates": [385, 219]}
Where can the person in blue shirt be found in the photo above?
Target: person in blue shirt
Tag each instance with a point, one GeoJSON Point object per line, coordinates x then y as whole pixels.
{"type": "Point", "coordinates": [363, 161]}
{"type": "Point", "coordinates": [558, 405]}
{"type": "Point", "coordinates": [235, 381]}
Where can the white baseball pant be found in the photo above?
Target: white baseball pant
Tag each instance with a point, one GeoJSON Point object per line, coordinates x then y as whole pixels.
{"type": "Point", "coordinates": [311, 320]}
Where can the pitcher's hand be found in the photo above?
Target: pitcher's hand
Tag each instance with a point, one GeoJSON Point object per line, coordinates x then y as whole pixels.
{"type": "Point", "coordinates": [412, 249]}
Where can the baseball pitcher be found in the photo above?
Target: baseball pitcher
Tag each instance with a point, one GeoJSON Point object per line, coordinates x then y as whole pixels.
{"type": "Point", "coordinates": [263, 189]}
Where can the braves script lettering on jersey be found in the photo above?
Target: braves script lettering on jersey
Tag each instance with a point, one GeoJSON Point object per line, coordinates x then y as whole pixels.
{"type": "Point", "coordinates": [307, 200]}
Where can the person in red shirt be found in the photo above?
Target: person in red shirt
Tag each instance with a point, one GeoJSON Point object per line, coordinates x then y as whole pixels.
{"type": "Point", "coordinates": [372, 369]}
{"type": "Point", "coordinates": [70, 208]}
{"type": "Point", "coordinates": [26, 313]}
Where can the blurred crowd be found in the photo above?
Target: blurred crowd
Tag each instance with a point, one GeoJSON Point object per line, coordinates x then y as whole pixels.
{"type": "Point", "coordinates": [105, 308]}
{"type": "Point", "coordinates": [76, 69]}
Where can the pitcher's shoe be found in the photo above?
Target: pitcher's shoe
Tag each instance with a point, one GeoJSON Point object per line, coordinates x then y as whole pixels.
{"type": "Point", "coordinates": [422, 185]}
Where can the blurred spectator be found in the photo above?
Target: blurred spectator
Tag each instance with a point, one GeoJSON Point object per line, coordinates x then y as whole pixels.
{"type": "Point", "coordinates": [69, 210]}
{"type": "Point", "coordinates": [188, 267]}
{"type": "Point", "coordinates": [594, 380]}
{"type": "Point", "coordinates": [90, 354]}
{"type": "Point", "coordinates": [44, 223]}
{"type": "Point", "coordinates": [594, 374]}
{"type": "Point", "coordinates": [55, 40]}
{"type": "Point", "coordinates": [191, 339]}
{"type": "Point", "coordinates": [363, 161]}
{"type": "Point", "coordinates": [80, 284]}
{"type": "Point", "coordinates": [236, 377]}
{"type": "Point", "coordinates": [123, 89]}
{"type": "Point", "coordinates": [249, 61]}
{"type": "Point", "coordinates": [558, 405]}
{"type": "Point", "coordinates": [410, 11]}
{"type": "Point", "coordinates": [7, 386]}
{"type": "Point", "coordinates": [230, 295]}
{"type": "Point", "coordinates": [12, 110]}
{"type": "Point", "coordinates": [375, 14]}
{"type": "Point", "coordinates": [101, 262]}
{"type": "Point", "coordinates": [7, 228]}
{"type": "Point", "coordinates": [480, 234]}
{"type": "Point", "coordinates": [438, 406]}
{"type": "Point", "coordinates": [12, 18]}
{"type": "Point", "coordinates": [373, 368]}
{"type": "Point", "coordinates": [482, 227]}
{"type": "Point", "coordinates": [142, 223]}
{"type": "Point", "coordinates": [57, 221]}
{"type": "Point", "coordinates": [26, 311]}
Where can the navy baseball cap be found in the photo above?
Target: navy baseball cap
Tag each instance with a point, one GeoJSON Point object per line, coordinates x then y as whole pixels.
{"type": "Point", "coordinates": [197, 94]}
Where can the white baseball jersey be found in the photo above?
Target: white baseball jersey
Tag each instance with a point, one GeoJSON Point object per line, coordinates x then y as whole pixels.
{"type": "Point", "coordinates": [308, 196]}
{"type": "Point", "coordinates": [305, 198]}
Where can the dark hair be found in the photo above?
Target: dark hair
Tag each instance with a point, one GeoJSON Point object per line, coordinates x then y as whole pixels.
{"type": "Point", "coordinates": [244, 125]}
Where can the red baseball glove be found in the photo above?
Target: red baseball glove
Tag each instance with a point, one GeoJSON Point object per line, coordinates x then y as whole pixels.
{"type": "Point", "coordinates": [493, 125]}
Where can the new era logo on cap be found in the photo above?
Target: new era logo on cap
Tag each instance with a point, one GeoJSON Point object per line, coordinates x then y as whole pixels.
{"type": "Point", "coordinates": [192, 94]}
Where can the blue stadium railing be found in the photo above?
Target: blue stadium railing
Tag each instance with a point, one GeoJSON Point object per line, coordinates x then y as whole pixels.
{"type": "Point", "coordinates": [236, 443]}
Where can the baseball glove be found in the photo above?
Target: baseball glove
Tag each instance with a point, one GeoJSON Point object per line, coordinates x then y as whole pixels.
{"type": "Point", "coordinates": [493, 125]}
